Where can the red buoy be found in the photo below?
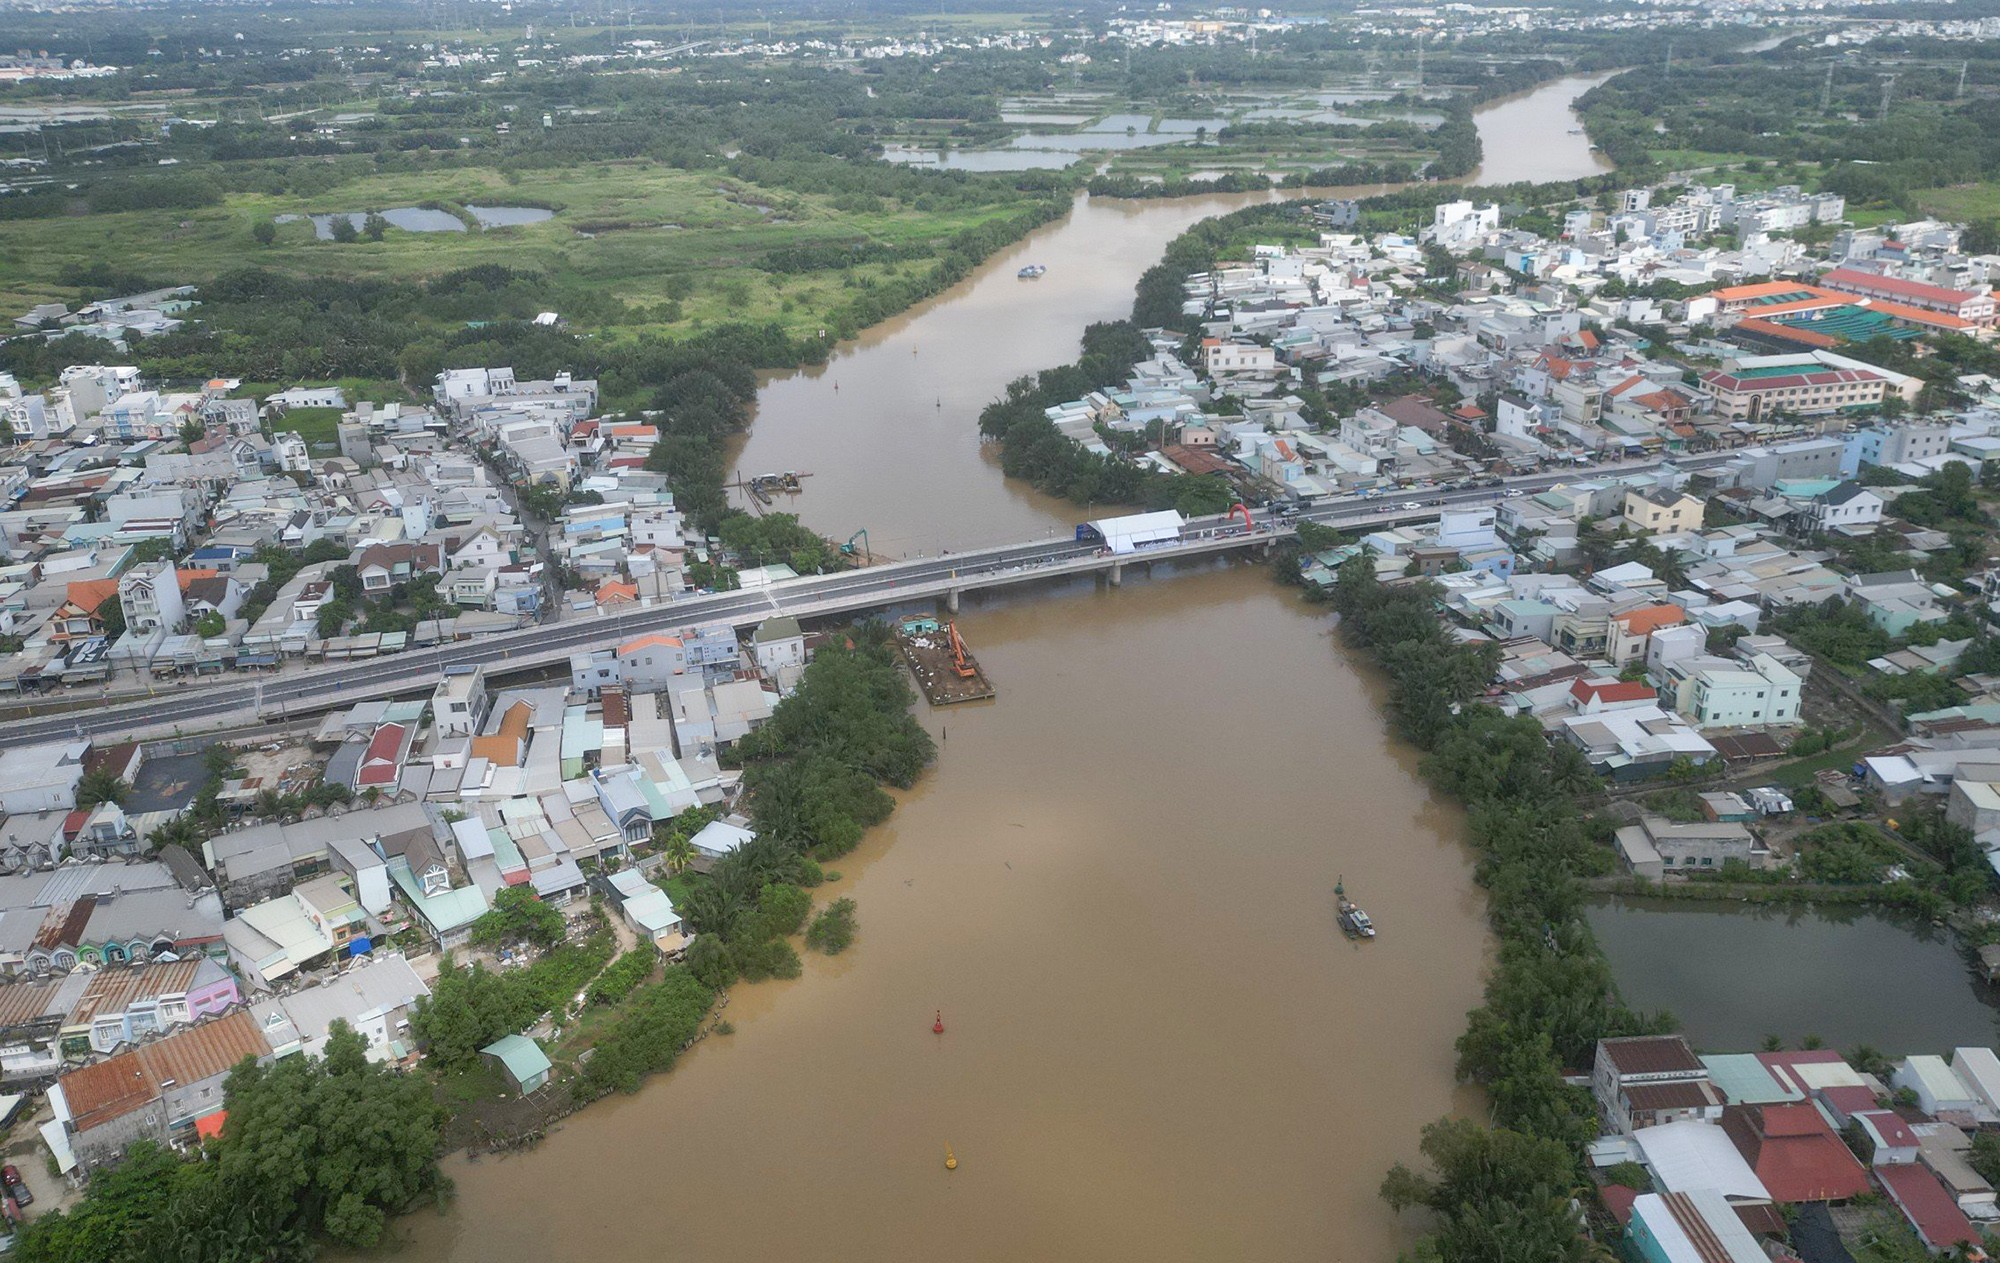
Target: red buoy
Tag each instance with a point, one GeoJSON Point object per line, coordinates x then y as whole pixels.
{"type": "Point", "coordinates": [937, 1027]}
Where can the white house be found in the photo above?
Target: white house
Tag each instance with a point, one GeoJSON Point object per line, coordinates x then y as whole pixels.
{"type": "Point", "coordinates": [150, 595]}
{"type": "Point", "coordinates": [1762, 692]}
{"type": "Point", "coordinates": [778, 644]}
{"type": "Point", "coordinates": [1937, 1089]}
{"type": "Point", "coordinates": [1849, 508]}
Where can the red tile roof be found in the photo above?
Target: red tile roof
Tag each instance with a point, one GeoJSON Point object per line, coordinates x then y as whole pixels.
{"type": "Point", "coordinates": [1891, 1128]}
{"type": "Point", "coordinates": [1613, 691]}
{"type": "Point", "coordinates": [380, 763]}
{"type": "Point", "coordinates": [1618, 1200]}
{"type": "Point", "coordinates": [1928, 1205]}
{"type": "Point", "coordinates": [1794, 1153]}
{"type": "Point", "coordinates": [1855, 280]}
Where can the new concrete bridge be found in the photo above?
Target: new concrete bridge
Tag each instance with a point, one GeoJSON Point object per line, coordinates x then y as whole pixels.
{"type": "Point", "coordinates": [239, 700]}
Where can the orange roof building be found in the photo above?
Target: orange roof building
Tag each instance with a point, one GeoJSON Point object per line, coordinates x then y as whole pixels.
{"type": "Point", "coordinates": [507, 745]}
{"type": "Point", "coordinates": [142, 1094]}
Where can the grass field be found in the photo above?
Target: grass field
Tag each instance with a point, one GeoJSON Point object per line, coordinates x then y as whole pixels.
{"type": "Point", "coordinates": [681, 246]}
{"type": "Point", "coordinates": [1963, 202]}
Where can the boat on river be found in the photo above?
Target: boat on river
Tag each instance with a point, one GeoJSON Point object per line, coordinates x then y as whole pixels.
{"type": "Point", "coordinates": [1031, 271]}
{"type": "Point", "coordinates": [1354, 923]}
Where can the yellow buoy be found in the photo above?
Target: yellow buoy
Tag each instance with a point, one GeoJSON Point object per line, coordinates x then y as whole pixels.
{"type": "Point", "coordinates": [950, 1158]}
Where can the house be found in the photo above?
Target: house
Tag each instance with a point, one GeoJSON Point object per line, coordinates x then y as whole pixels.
{"type": "Point", "coordinates": [719, 837]}
{"type": "Point", "coordinates": [1849, 508]}
{"type": "Point", "coordinates": [522, 1060]}
{"type": "Point", "coordinates": [81, 615]}
{"type": "Point", "coordinates": [374, 998]}
{"type": "Point", "coordinates": [1718, 693]}
{"type": "Point", "coordinates": [1937, 1089]}
{"type": "Point", "coordinates": [778, 644]}
{"type": "Point", "coordinates": [1663, 512]}
{"type": "Point", "coordinates": [131, 1003]}
{"type": "Point", "coordinates": [647, 664]}
{"type": "Point", "coordinates": [1890, 1142]}
{"type": "Point", "coordinates": [1942, 1149]}
{"type": "Point", "coordinates": [161, 1091]}
{"type": "Point", "coordinates": [1657, 846]}
{"type": "Point", "coordinates": [1929, 1207]}
{"type": "Point", "coordinates": [458, 704]}
{"type": "Point", "coordinates": [270, 941]}
{"type": "Point", "coordinates": [92, 915]}
{"type": "Point", "coordinates": [1895, 600]}
{"type": "Point", "coordinates": [1687, 1156]}
{"type": "Point", "coordinates": [381, 567]}
{"type": "Point", "coordinates": [1693, 1227]}
{"type": "Point", "coordinates": [648, 910]}
{"type": "Point", "coordinates": [1637, 1079]}
{"type": "Point", "coordinates": [150, 594]}
{"type": "Point", "coordinates": [1795, 1153]}
{"type": "Point", "coordinates": [1629, 633]}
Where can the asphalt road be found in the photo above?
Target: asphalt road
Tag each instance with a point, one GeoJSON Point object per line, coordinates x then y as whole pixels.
{"type": "Point", "coordinates": [196, 707]}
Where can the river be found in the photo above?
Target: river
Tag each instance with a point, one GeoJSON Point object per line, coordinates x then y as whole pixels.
{"type": "Point", "coordinates": [1116, 883]}
{"type": "Point", "coordinates": [1535, 135]}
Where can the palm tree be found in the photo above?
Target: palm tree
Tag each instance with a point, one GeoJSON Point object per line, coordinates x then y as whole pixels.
{"type": "Point", "coordinates": [678, 850]}
{"type": "Point", "coordinates": [711, 909]}
{"type": "Point", "coordinates": [1570, 772]}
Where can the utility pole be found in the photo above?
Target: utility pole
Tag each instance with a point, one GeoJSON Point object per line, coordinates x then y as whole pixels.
{"type": "Point", "coordinates": [1961, 79]}
{"type": "Point", "coordinates": [1670, 56]}
{"type": "Point", "coordinates": [1888, 90]}
{"type": "Point", "coordinates": [1826, 90]}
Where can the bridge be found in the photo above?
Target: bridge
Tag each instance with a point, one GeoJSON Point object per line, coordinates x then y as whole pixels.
{"type": "Point", "coordinates": [175, 709]}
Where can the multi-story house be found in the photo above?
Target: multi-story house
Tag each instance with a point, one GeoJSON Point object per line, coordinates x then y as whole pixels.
{"type": "Point", "coordinates": [1641, 1080]}
{"type": "Point", "coordinates": [151, 596]}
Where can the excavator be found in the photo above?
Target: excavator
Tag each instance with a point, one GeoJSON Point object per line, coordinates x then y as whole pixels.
{"type": "Point", "coordinates": [960, 660]}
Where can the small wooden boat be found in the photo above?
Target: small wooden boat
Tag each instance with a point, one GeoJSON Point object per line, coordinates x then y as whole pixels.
{"type": "Point", "coordinates": [1031, 271]}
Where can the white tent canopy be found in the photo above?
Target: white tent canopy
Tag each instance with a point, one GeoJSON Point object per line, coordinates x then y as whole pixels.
{"type": "Point", "coordinates": [1128, 533]}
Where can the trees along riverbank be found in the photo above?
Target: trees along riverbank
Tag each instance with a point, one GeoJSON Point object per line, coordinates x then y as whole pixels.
{"type": "Point", "coordinates": [314, 1148]}
{"type": "Point", "coordinates": [1503, 1191]}
{"type": "Point", "coordinates": [325, 1149]}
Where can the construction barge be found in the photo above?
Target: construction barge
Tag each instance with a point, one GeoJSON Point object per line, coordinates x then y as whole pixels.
{"type": "Point", "coordinates": [946, 671]}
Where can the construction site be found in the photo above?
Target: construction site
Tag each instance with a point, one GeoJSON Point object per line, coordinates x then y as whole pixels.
{"type": "Point", "coordinates": [946, 671]}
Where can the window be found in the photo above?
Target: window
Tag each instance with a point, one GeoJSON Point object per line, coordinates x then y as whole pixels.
{"type": "Point", "coordinates": [1708, 861]}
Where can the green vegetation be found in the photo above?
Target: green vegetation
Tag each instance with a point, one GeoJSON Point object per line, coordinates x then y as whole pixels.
{"type": "Point", "coordinates": [469, 1008]}
{"type": "Point", "coordinates": [832, 930]}
{"type": "Point", "coordinates": [517, 916]}
{"type": "Point", "coordinates": [815, 770]}
{"type": "Point", "coordinates": [1823, 118]}
{"type": "Point", "coordinates": [621, 976]}
{"type": "Point", "coordinates": [1550, 996]}
{"type": "Point", "coordinates": [652, 1028]}
{"type": "Point", "coordinates": [314, 1148]}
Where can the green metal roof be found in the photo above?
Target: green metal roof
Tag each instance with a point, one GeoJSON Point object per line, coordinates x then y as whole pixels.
{"type": "Point", "coordinates": [522, 1056]}
{"type": "Point", "coordinates": [1855, 324]}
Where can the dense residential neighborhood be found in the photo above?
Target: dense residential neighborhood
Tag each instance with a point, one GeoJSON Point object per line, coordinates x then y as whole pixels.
{"type": "Point", "coordinates": [1667, 511]}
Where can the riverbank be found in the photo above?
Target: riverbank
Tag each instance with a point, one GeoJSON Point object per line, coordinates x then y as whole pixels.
{"type": "Point", "coordinates": [1034, 885]}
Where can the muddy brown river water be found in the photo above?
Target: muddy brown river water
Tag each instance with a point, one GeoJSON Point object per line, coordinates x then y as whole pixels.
{"type": "Point", "coordinates": [1116, 883]}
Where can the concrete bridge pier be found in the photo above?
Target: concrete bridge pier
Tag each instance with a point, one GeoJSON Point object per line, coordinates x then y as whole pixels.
{"type": "Point", "coordinates": [951, 600]}
{"type": "Point", "coordinates": [1117, 573]}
